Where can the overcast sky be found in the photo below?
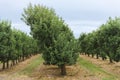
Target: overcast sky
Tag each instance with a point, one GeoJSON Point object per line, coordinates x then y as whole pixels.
{"type": "Point", "coordinates": [80, 15]}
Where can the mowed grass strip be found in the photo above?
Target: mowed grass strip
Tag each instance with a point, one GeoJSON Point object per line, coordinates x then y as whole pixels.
{"type": "Point", "coordinates": [96, 70]}
{"type": "Point", "coordinates": [32, 65]}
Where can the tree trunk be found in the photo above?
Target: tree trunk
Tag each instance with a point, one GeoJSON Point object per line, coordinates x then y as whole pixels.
{"type": "Point", "coordinates": [103, 58]}
{"type": "Point", "coordinates": [111, 60]}
{"type": "Point", "coordinates": [97, 56]}
{"type": "Point", "coordinates": [92, 55]}
{"type": "Point", "coordinates": [13, 62]}
{"type": "Point", "coordinates": [63, 69]}
{"type": "Point", "coordinates": [16, 61]}
{"type": "Point", "coordinates": [88, 55]}
{"type": "Point", "coordinates": [23, 58]}
{"type": "Point", "coordinates": [3, 65]}
{"type": "Point", "coordinates": [19, 59]}
{"type": "Point", "coordinates": [7, 64]}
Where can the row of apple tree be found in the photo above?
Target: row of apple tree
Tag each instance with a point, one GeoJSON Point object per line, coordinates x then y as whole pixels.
{"type": "Point", "coordinates": [104, 42]}
{"type": "Point", "coordinates": [15, 46]}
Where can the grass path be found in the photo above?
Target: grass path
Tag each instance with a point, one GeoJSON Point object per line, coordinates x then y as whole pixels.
{"type": "Point", "coordinates": [95, 69]}
{"type": "Point", "coordinates": [32, 66]}
{"type": "Point", "coordinates": [17, 72]}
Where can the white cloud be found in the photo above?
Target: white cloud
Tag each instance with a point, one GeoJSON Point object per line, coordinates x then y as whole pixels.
{"type": "Point", "coordinates": [80, 15]}
{"type": "Point", "coordinates": [81, 26]}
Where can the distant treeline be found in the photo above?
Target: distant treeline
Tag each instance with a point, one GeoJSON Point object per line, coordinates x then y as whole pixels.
{"type": "Point", "coordinates": [104, 42]}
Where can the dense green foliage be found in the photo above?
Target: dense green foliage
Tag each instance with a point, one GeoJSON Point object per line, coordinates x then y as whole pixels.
{"type": "Point", "coordinates": [15, 45]}
{"type": "Point", "coordinates": [55, 39]}
{"type": "Point", "coordinates": [104, 42]}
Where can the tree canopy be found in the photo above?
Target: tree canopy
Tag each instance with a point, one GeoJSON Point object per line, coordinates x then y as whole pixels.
{"type": "Point", "coordinates": [55, 39]}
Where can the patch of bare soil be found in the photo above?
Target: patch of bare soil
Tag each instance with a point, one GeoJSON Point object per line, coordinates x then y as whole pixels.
{"type": "Point", "coordinates": [75, 72]}
{"type": "Point", "coordinates": [113, 68]}
{"type": "Point", "coordinates": [13, 72]}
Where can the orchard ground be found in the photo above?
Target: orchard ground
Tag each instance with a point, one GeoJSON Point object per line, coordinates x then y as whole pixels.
{"type": "Point", "coordinates": [87, 68]}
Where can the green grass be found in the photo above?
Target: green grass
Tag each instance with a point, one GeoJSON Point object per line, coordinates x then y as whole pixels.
{"type": "Point", "coordinates": [85, 64]}
{"type": "Point", "coordinates": [94, 69]}
{"type": "Point", "coordinates": [109, 78]}
{"type": "Point", "coordinates": [33, 64]}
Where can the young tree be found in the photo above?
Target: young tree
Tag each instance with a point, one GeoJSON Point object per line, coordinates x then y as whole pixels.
{"type": "Point", "coordinates": [52, 34]}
